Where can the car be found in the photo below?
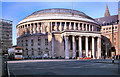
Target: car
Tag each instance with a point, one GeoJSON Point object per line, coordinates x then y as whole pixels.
{"type": "Point", "coordinates": [87, 58]}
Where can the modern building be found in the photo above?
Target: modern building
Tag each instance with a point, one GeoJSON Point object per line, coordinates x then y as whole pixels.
{"type": "Point", "coordinates": [5, 35]}
{"type": "Point", "coordinates": [109, 34]}
{"type": "Point", "coordinates": [59, 32]}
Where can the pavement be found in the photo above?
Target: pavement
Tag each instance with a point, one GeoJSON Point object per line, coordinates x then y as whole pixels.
{"type": "Point", "coordinates": [63, 67]}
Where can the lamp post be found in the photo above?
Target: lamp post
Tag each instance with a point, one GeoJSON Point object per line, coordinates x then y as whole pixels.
{"type": "Point", "coordinates": [113, 48]}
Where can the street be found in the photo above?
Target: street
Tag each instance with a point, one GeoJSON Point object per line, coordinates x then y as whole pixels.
{"type": "Point", "coordinates": [62, 67]}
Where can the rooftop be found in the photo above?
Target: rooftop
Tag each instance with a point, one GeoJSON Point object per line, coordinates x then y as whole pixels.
{"type": "Point", "coordinates": [107, 20]}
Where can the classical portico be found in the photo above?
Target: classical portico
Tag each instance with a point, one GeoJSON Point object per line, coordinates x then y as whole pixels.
{"type": "Point", "coordinates": [98, 55]}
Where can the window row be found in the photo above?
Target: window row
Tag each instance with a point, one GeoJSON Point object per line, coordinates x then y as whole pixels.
{"type": "Point", "coordinates": [110, 28]}
{"type": "Point", "coordinates": [32, 42]}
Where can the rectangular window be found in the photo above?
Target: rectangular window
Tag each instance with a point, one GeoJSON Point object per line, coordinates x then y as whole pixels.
{"type": "Point", "coordinates": [32, 52]}
{"type": "Point", "coordinates": [46, 41]}
{"type": "Point", "coordinates": [32, 42]}
{"type": "Point", "coordinates": [39, 41]}
{"type": "Point", "coordinates": [110, 31]}
{"type": "Point", "coordinates": [26, 44]}
{"type": "Point", "coordinates": [106, 28]}
{"type": "Point", "coordinates": [38, 48]}
{"type": "Point", "coordinates": [26, 40]}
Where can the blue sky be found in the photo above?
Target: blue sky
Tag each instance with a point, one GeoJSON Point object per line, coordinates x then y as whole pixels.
{"type": "Point", "coordinates": [16, 11]}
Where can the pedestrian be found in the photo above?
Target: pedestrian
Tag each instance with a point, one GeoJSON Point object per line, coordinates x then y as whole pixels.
{"type": "Point", "coordinates": [104, 56]}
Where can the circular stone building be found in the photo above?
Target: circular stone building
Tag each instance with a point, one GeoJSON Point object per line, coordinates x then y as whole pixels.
{"type": "Point", "coordinates": [63, 33]}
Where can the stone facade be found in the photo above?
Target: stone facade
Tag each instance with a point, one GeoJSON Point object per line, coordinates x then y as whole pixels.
{"type": "Point", "coordinates": [62, 32]}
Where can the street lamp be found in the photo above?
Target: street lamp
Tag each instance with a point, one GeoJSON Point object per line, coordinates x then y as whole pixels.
{"type": "Point", "coordinates": [113, 48]}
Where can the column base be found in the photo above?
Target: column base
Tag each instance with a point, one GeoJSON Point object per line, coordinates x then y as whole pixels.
{"type": "Point", "coordinates": [66, 57]}
{"type": "Point", "coordinates": [73, 57]}
{"type": "Point", "coordinates": [53, 57]}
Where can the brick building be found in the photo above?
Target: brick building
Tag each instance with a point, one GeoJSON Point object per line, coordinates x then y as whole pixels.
{"type": "Point", "coordinates": [107, 22]}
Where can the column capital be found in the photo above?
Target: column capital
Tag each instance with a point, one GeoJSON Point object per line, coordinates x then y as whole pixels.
{"type": "Point", "coordinates": [93, 36]}
{"type": "Point", "coordinates": [99, 36]}
{"type": "Point", "coordinates": [80, 35]}
{"type": "Point", "coordinates": [87, 36]}
{"type": "Point", "coordinates": [74, 35]}
{"type": "Point", "coordinates": [66, 36]}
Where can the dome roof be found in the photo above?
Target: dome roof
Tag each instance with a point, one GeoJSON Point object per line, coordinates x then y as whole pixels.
{"type": "Point", "coordinates": [58, 13]}
{"type": "Point", "coordinates": [58, 10]}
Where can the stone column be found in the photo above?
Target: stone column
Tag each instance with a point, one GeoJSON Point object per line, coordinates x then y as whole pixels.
{"type": "Point", "coordinates": [65, 26]}
{"type": "Point", "coordinates": [92, 27]}
{"type": "Point", "coordinates": [78, 26]}
{"type": "Point", "coordinates": [86, 45]}
{"type": "Point", "coordinates": [52, 46]}
{"type": "Point", "coordinates": [83, 26]}
{"type": "Point", "coordinates": [60, 27]}
{"type": "Point", "coordinates": [98, 48]}
{"type": "Point", "coordinates": [38, 31]}
{"type": "Point", "coordinates": [20, 31]}
{"type": "Point", "coordinates": [51, 26]}
{"type": "Point", "coordinates": [93, 47]}
{"type": "Point", "coordinates": [66, 48]}
{"type": "Point", "coordinates": [74, 26]}
{"type": "Point", "coordinates": [33, 27]}
{"type": "Point", "coordinates": [17, 32]}
{"type": "Point", "coordinates": [28, 29]}
{"type": "Point", "coordinates": [74, 47]}
{"type": "Point", "coordinates": [70, 26]}
{"type": "Point", "coordinates": [80, 46]}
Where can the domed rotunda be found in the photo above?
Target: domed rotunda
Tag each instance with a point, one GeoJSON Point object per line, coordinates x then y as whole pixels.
{"type": "Point", "coordinates": [59, 32]}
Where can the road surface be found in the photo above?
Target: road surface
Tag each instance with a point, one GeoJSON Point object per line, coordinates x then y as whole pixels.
{"type": "Point", "coordinates": [62, 67]}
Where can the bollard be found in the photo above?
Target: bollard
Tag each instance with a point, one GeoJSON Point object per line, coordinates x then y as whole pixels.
{"type": "Point", "coordinates": [112, 60]}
